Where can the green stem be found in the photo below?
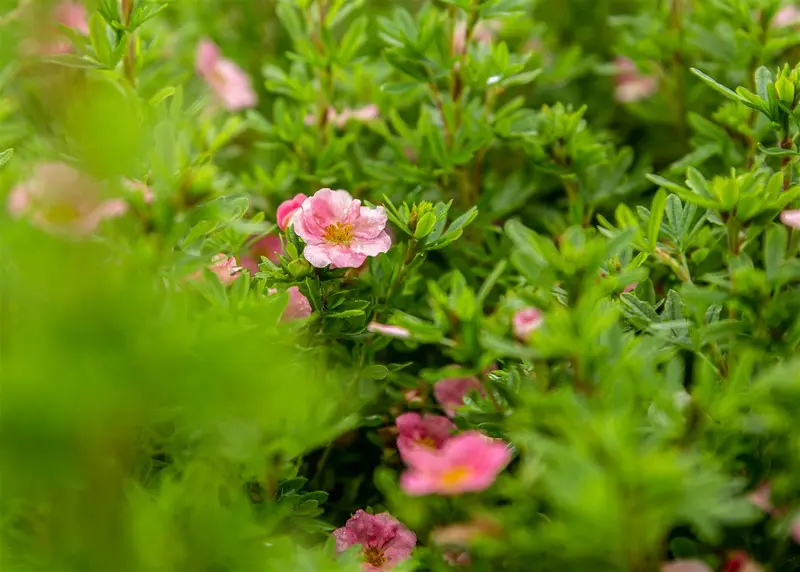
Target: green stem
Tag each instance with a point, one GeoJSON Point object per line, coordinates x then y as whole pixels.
{"type": "Point", "coordinates": [129, 59]}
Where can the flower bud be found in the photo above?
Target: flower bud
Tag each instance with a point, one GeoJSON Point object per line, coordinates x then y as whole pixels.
{"type": "Point", "coordinates": [299, 268]}
{"type": "Point", "coordinates": [785, 89]}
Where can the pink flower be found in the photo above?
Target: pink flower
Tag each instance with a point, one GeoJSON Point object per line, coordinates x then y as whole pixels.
{"type": "Point", "coordinates": [230, 84]}
{"type": "Point", "coordinates": [288, 209]}
{"type": "Point", "coordinates": [631, 85]}
{"type": "Point", "coordinates": [431, 431]}
{"type": "Point", "coordinates": [630, 287]}
{"type": "Point", "coordinates": [791, 218]}
{"type": "Point", "coordinates": [483, 33]}
{"type": "Point", "coordinates": [685, 566]}
{"type": "Point", "coordinates": [761, 497]}
{"type": "Point", "coordinates": [526, 321]}
{"type": "Point", "coordinates": [786, 17]}
{"type": "Point", "coordinates": [140, 188]}
{"type": "Point", "coordinates": [795, 530]}
{"type": "Point", "coordinates": [385, 541]}
{"type": "Point", "coordinates": [338, 231]}
{"type": "Point", "coordinates": [269, 247]}
{"type": "Point", "coordinates": [468, 462]}
{"type": "Point", "coordinates": [450, 393]}
{"type": "Point", "coordinates": [72, 15]}
{"type": "Point", "coordinates": [298, 306]}
{"type": "Point", "coordinates": [61, 200]}
{"type": "Point", "coordinates": [224, 267]}
{"type": "Point", "coordinates": [739, 561]}
{"type": "Point", "coordinates": [388, 330]}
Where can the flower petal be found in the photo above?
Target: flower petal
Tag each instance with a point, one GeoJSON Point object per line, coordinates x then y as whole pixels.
{"type": "Point", "coordinates": [370, 222]}
{"type": "Point", "coordinates": [373, 246]}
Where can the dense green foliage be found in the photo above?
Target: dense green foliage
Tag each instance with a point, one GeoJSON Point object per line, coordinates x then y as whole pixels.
{"type": "Point", "coordinates": [156, 417]}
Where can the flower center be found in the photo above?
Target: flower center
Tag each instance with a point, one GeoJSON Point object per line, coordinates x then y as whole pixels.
{"type": "Point", "coordinates": [456, 476]}
{"type": "Point", "coordinates": [339, 233]}
{"type": "Point", "coordinates": [427, 442]}
{"type": "Point", "coordinates": [374, 557]}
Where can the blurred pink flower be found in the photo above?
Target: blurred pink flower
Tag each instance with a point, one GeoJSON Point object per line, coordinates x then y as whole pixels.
{"type": "Point", "coordinates": [69, 14]}
{"type": "Point", "coordinates": [450, 393]}
{"type": "Point", "coordinates": [427, 430]}
{"type": "Point", "coordinates": [230, 84]}
{"type": "Point", "coordinates": [794, 529]}
{"type": "Point", "coordinates": [224, 267]}
{"type": "Point", "coordinates": [740, 561]}
{"type": "Point", "coordinates": [361, 115]}
{"type": "Point", "coordinates": [61, 200]}
{"type": "Point", "coordinates": [786, 17]}
{"type": "Point", "coordinates": [630, 287]}
{"type": "Point", "coordinates": [338, 231]}
{"type": "Point", "coordinates": [686, 566]}
{"type": "Point", "coordinates": [468, 462]}
{"type": "Point", "coordinates": [385, 541]}
{"type": "Point", "coordinates": [791, 218]}
{"type": "Point", "coordinates": [268, 246]}
{"type": "Point", "coordinates": [288, 209]}
{"type": "Point", "coordinates": [388, 330]}
{"type": "Point", "coordinates": [526, 321]}
{"type": "Point", "coordinates": [456, 557]}
{"type": "Point", "coordinates": [761, 497]}
{"type": "Point", "coordinates": [631, 84]}
{"type": "Point", "coordinates": [483, 33]}
{"type": "Point", "coordinates": [298, 306]}
{"type": "Point", "coordinates": [141, 188]}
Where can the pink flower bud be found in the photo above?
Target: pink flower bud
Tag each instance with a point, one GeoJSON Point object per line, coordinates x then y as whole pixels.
{"type": "Point", "coordinates": [526, 321]}
{"type": "Point", "coordinates": [450, 393]}
{"type": "Point", "coordinates": [225, 268]}
{"type": "Point", "coordinates": [288, 209]}
{"type": "Point", "coordinates": [632, 85]}
{"type": "Point", "coordinates": [788, 16]}
{"type": "Point", "coordinates": [791, 218]}
{"type": "Point", "coordinates": [388, 330]}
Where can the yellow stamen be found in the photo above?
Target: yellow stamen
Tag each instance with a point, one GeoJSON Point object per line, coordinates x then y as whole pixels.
{"type": "Point", "coordinates": [455, 476]}
{"type": "Point", "coordinates": [339, 233]}
{"type": "Point", "coordinates": [374, 557]}
{"type": "Point", "coordinates": [427, 442]}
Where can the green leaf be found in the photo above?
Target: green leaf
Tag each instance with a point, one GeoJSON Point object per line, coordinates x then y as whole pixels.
{"type": "Point", "coordinates": [638, 311]}
{"type": "Point", "coordinates": [345, 314]}
{"type": "Point", "coordinates": [99, 36]}
{"type": "Point", "coordinates": [491, 280]}
{"type": "Point", "coordinates": [291, 486]}
{"type": "Point", "coordinates": [775, 245]}
{"type": "Point", "coordinates": [656, 216]}
{"type": "Point", "coordinates": [163, 94]}
{"type": "Point", "coordinates": [399, 88]}
{"type": "Point", "coordinates": [5, 156]}
{"type": "Point", "coordinates": [763, 77]}
{"type": "Point", "coordinates": [714, 84]}
{"type": "Point", "coordinates": [425, 225]}
{"type": "Point", "coordinates": [74, 61]}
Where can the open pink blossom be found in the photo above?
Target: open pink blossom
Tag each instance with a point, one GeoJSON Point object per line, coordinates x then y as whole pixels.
{"type": "Point", "coordinates": [631, 84]}
{"type": "Point", "coordinates": [224, 267]}
{"type": "Point", "coordinates": [298, 306]}
{"type": "Point", "coordinates": [450, 393]}
{"type": "Point", "coordinates": [527, 321]}
{"type": "Point", "coordinates": [388, 330]}
{"type": "Point", "coordinates": [338, 231]}
{"type": "Point", "coordinates": [791, 218]}
{"type": "Point", "coordinates": [230, 84]}
{"type": "Point", "coordinates": [61, 200]}
{"type": "Point", "coordinates": [786, 17]}
{"type": "Point", "coordinates": [385, 542]}
{"type": "Point", "coordinates": [686, 566]}
{"type": "Point", "coordinates": [268, 246]}
{"type": "Point", "coordinates": [427, 430]}
{"type": "Point", "coordinates": [468, 462]}
{"type": "Point", "coordinates": [288, 209]}
{"type": "Point", "coordinates": [340, 120]}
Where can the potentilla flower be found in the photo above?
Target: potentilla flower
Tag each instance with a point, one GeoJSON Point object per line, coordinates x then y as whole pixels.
{"type": "Point", "coordinates": [791, 218]}
{"type": "Point", "coordinates": [268, 246]}
{"type": "Point", "coordinates": [388, 330]}
{"type": "Point", "coordinates": [224, 267]}
{"type": "Point", "coordinates": [338, 231]}
{"type": "Point", "coordinates": [739, 561]}
{"type": "Point", "coordinates": [340, 120]}
{"type": "Point", "coordinates": [468, 462]}
{"type": "Point", "coordinates": [526, 321]}
{"type": "Point", "coordinates": [631, 84]}
{"type": "Point", "coordinates": [450, 393]}
{"type": "Point", "coordinates": [427, 430]}
{"type": "Point", "coordinates": [298, 306]}
{"type": "Point", "coordinates": [786, 17]}
{"type": "Point", "coordinates": [230, 84]}
{"type": "Point", "coordinates": [685, 566]}
{"type": "Point", "coordinates": [385, 541]}
{"type": "Point", "coordinates": [288, 209]}
{"type": "Point", "coordinates": [61, 200]}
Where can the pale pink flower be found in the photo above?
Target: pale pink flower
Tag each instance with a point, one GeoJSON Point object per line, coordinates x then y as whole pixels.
{"type": "Point", "coordinates": [140, 188]}
{"type": "Point", "coordinates": [631, 84]}
{"type": "Point", "coordinates": [298, 306]}
{"type": "Point", "coordinates": [288, 209]}
{"type": "Point", "coordinates": [427, 430]}
{"type": "Point", "coordinates": [268, 246]}
{"type": "Point", "coordinates": [762, 497]}
{"type": "Point", "coordinates": [360, 115]}
{"type": "Point", "coordinates": [450, 393]}
{"type": "Point", "coordinates": [385, 542]}
{"type": "Point", "coordinates": [339, 231]}
{"type": "Point", "coordinates": [224, 267]}
{"type": "Point", "coordinates": [791, 218]}
{"type": "Point", "coordinates": [786, 17]}
{"type": "Point", "coordinates": [686, 566]}
{"type": "Point", "coordinates": [230, 84]}
{"type": "Point", "coordinates": [526, 321]}
{"type": "Point", "coordinates": [465, 533]}
{"type": "Point", "coordinates": [630, 287]}
{"type": "Point", "coordinates": [468, 462]}
{"type": "Point", "coordinates": [388, 330]}
{"type": "Point", "coordinates": [61, 200]}
{"type": "Point", "coordinates": [794, 529]}
{"type": "Point", "coordinates": [413, 396]}
{"type": "Point", "coordinates": [72, 15]}
{"type": "Point", "coordinates": [483, 33]}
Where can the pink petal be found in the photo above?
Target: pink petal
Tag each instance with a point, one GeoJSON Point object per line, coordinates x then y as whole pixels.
{"type": "Point", "coordinates": [344, 257]}
{"type": "Point", "coordinates": [207, 57]}
{"type": "Point", "coordinates": [298, 306]}
{"type": "Point", "coordinates": [791, 218]}
{"type": "Point", "coordinates": [287, 210]}
{"type": "Point", "coordinates": [18, 201]}
{"type": "Point", "coordinates": [329, 207]}
{"type": "Point", "coordinates": [370, 222]}
{"type": "Point", "coordinates": [685, 566]}
{"type": "Point", "coordinates": [318, 255]}
{"type": "Point", "coordinates": [372, 247]}
{"type": "Point", "coordinates": [388, 330]}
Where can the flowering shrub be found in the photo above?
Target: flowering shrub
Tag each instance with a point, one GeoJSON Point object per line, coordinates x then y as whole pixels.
{"type": "Point", "coordinates": [441, 285]}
